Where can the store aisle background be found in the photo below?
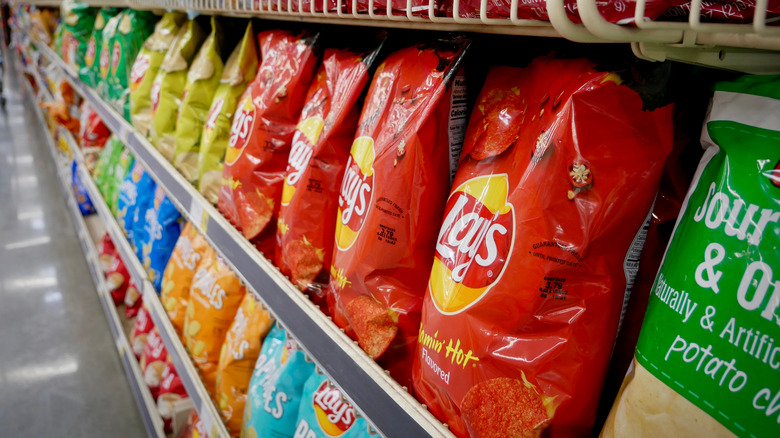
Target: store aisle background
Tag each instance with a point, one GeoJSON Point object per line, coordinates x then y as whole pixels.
{"type": "Point", "coordinates": [60, 373]}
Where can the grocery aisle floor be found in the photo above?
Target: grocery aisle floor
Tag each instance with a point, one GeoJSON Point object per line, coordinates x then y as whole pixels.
{"type": "Point", "coordinates": [60, 373]}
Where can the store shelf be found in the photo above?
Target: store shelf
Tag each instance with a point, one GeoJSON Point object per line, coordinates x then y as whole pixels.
{"type": "Point", "coordinates": [388, 407]}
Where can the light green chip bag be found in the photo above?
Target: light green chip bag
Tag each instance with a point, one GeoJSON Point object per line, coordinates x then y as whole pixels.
{"type": "Point", "coordinates": [146, 66]}
{"type": "Point", "coordinates": [104, 60]}
{"type": "Point", "coordinates": [106, 164]}
{"type": "Point", "coordinates": [708, 359]}
{"type": "Point", "coordinates": [131, 33]}
{"type": "Point", "coordinates": [202, 80]}
{"type": "Point", "coordinates": [239, 71]}
{"type": "Point", "coordinates": [90, 71]}
{"type": "Point", "coordinates": [169, 85]}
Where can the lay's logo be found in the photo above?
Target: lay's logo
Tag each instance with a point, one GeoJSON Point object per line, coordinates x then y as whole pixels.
{"type": "Point", "coordinates": [243, 122]}
{"type": "Point", "coordinates": [211, 120]}
{"type": "Point", "coordinates": [105, 60]}
{"type": "Point", "coordinates": [334, 415]}
{"type": "Point", "coordinates": [474, 244]}
{"type": "Point", "coordinates": [155, 93]}
{"type": "Point", "coordinates": [138, 71]}
{"type": "Point", "coordinates": [89, 56]}
{"type": "Point", "coordinates": [356, 193]}
{"type": "Point", "coordinates": [115, 54]}
{"type": "Point", "coordinates": [305, 138]}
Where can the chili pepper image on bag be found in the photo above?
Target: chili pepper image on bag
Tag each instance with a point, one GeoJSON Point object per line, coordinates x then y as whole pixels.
{"type": "Point", "coordinates": [708, 353]}
{"type": "Point", "coordinates": [392, 198]}
{"type": "Point", "coordinates": [261, 135]}
{"type": "Point", "coordinates": [324, 412]}
{"type": "Point", "coordinates": [320, 147]}
{"type": "Point", "coordinates": [538, 249]}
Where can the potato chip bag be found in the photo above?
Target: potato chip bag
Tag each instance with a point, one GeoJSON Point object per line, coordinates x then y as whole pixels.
{"type": "Point", "coordinates": [146, 66]}
{"type": "Point", "coordinates": [78, 20]}
{"type": "Point", "coordinates": [128, 194]}
{"type": "Point", "coordinates": [115, 178]}
{"type": "Point", "coordinates": [324, 412]}
{"type": "Point", "coordinates": [237, 360]}
{"type": "Point", "coordinates": [117, 279]}
{"type": "Point", "coordinates": [707, 358]}
{"type": "Point", "coordinates": [215, 296]}
{"type": "Point", "coordinates": [178, 274]}
{"type": "Point", "coordinates": [538, 249]}
{"type": "Point", "coordinates": [93, 133]}
{"type": "Point", "coordinates": [168, 86]}
{"type": "Point", "coordinates": [276, 387]}
{"type": "Point", "coordinates": [239, 71]}
{"type": "Point", "coordinates": [144, 200]}
{"type": "Point", "coordinates": [106, 251]}
{"type": "Point", "coordinates": [141, 327]}
{"type": "Point", "coordinates": [133, 300]}
{"type": "Point", "coordinates": [202, 80]}
{"type": "Point", "coordinates": [320, 147]}
{"type": "Point", "coordinates": [132, 31]}
{"type": "Point", "coordinates": [162, 224]}
{"type": "Point", "coordinates": [90, 70]}
{"type": "Point", "coordinates": [261, 134]}
{"type": "Point", "coordinates": [172, 399]}
{"type": "Point", "coordinates": [104, 58]}
{"type": "Point", "coordinates": [80, 191]}
{"type": "Point", "coordinates": [194, 428]}
{"type": "Point", "coordinates": [153, 361]}
{"type": "Point", "coordinates": [377, 277]}
{"type": "Point", "coordinates": [108, 160]}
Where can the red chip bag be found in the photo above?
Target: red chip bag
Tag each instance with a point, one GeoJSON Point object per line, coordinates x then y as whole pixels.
{"type": "Point", "coordinates": [539, 245]}
{"type": "Point", "coordinates": [117, 279]}
{"type": "Point", "coordinates": [133, 300]}
{"type": "Point", "coordinates": [320, 147]}
{"type": "Point", "coordinates": [94, 133]}
{"type": "Point", "coordinates": [153, 361]}
{"type": "Point", "coordinates": [391, 201]}
{"type": "Point", "coordinates": [261, 134]}
{"type": "Point", "coordinates": [106, 252]}
{"type": "Point", "coordinates": [172, 396]}
{"type": "Point", "coordinates": [141, 327]}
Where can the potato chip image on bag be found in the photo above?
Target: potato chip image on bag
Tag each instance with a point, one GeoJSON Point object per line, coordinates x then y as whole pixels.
{"type": "Point", "coordinates": [237, 360]}
{"type": "Point", "coordinates": [325, 412]}
{"type": "Point", "coordinates": [141, 327]}
{"type": "Point", "coordinates": [117, 279]}
{"type": "Point", "coordinates": [172, 400]}
{"type": "Point", "coordinates": [239, 71]}
{"type": "Point", "coordinates": [153, 361]}
{"type": "Point", "coordinates": [106, 251]}
{"type": "Point", "coordinates": [539, 243]}
{"type": "Point", "coordinates": [177, 278]}
{"type": "Point", "coordinates": [90, 70]}
{"type": "Point", "coordinates": [215, 296]}
{"type": "Point", "coordinates": [133, 300]}
{"type": "Point", "coordinates": [707, 358]}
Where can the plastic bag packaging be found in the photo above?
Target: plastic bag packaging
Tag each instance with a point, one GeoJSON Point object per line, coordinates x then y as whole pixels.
{"type": "Point", "coordinates": [101, 166]}
{"type": "Point", "coordinates": [136, 182]}
{"type": "Point", "coordinates": [162, 225]}
{"type": "Point", "coordinates": [708, 343]}
{"type": "Point", "coordinates": [108, 163]}
{"type": "Point", "coordinates": [133, 300]}
{"type": "Point", "coordinates": [117, 279]}
{"type": "Point", "coordinates": [392, 197]}
{"type": "Point", "coordinates": [168, 86]}
{"type": "Point", "coordinates": [142, 326]}
{"type": "Point", "coordinates": [132, 31]}
{"type": "Point", "coordinates": [319, 152]}
{"type": "Point", "coordinates": [103, 86]}
{"type": "Point", "coordinates": [276, 387]}
{"type": "Point", "coordinates": [106, 251]}
{"type": "Point", "coordinates": [92, 135]}
{"type": "Point", "coordinates": [537, 250]}
{"type": "Point", "coordinates": [261, 134]}
{"type": "Point", "coordinates": [172, 400]}
{"type": "Point", "coordinates": [144, 200]}
{"type": "Point", "coordinates": [153, 361]}
{"type": "Point", "coordinates": [78, 20]}
{"type": "Point", "coordinates": [147, 65]}
{"type": "Point", "coordinates": [325, 412]}
{"type": "Point", "coordinates": [239, 71]}
{"type": "Point", "coordinates": [113, 183]}
{"type": "Point", "coordinates": [80, 192]}
{"type": "Point", "coordinates": [90, 70]}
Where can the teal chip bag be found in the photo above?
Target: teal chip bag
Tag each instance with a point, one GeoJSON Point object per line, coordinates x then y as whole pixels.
{"type": "Point", "coordinates": [90, 71]}
{"type": "Point", "coordinates": [325, 413]}
{"type": "Point", "coordinates": [708, 358]}
{"type": "Point", "coordinates": [133, 29]}
{"type": "Point", "coordinates": [276, 387]}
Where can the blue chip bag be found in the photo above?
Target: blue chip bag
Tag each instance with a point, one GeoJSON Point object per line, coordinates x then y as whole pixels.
{"type": "Point", "coordinates": [162, 224]}
{"type": "Point", "coordinates": [323, 412]}
{"type": "Point", "coordinates": [276, 387]}
{"type": "Point", "coordinates": [80, 192]}
{"type": "Point", "coordinates": [137, 181]}
{"type": "Point", "coordinates": [136, 210]}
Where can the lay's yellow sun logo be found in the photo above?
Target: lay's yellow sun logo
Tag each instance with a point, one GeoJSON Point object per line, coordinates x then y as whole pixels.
{"type": "Point", "coordinates": [241, 130]}
{"type": "Point", "coordinates": [356, 192]}
{"type": "Point", "coordinates": [334, 414]}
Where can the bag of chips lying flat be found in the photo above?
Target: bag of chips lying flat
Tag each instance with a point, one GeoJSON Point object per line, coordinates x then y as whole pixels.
{"type": "Point", "coordinates": [392, 197]}
{"type": "Point", "coordinates": [146, 66]}
{"type": "Point", "coordinates": [103, 86]}
{"type": "Point", "coordinates": [239, 71]}
{"type": "Point", "coordinates": [320, 148]}
{"type": "Point", "coordinates": [707, 358]}
{"type": "Point", "coordinates": [537, 250]}
{"type": "Point", "coordinates": [261, 134]}
{"type": "Point", "coordinates": [162, 224]}
{"type": "Point", "coordinates": [202, 80]}
{"type": "Point", "coordinates": [325, 412]}
{"type": "Point", "coordinates": [78, 19]}
{"type": "Point", "coordinates": [132, 31]}
{"type": "Point", "coordinates": [168, 86]}
{"type": "Point", "coordinates": [90, 70]}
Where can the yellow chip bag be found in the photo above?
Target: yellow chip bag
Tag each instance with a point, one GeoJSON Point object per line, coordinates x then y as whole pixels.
{"type": "Point", "coordinates": [238, 73]}
{"type": "Point", "coordinates": [168, 86]}
{"type": "Point", "coordinates": [215, 296]}
{"type": "Point", "coordinates": [177, 278]}
{"type": "Point", "coordinates": [237, 360]}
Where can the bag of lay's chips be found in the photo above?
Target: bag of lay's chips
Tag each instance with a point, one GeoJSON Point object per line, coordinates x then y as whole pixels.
{"type": "Point", "coordinates": [78, 20]}
{"type": "Point", "coordinates": [262, 132]}
{"type": "Point", "coordinates": [153, 361]}
{"type": "Point", "coordinates": [320, 147]}
{"type": "Point", "coordinates": [132, 31]}
{"type": "Point", "coordinates": [538, 249]}
{"type": "Point", "coordinates": [114, 181]}
{"type": "Point", "coordinates": [141, 327]}
{"type": "Point", "coordinates": [709, 349]}
{"type": "Point", "coordinates": [178, 275]}
{"type": "Point", "coordinates": [195, 428]}
{"type": "Point", "coordinates": [111, 150]}
{"type": "Point", "coordinates": [90, 70]}
{"type": "Point", "coordinates": [237, 360]}
{"type": "Point", "coordinates": [146, 66]}
{"type": "Point", "coordinates": [112, 164]}
{"type": "Point", "coordinates": [239, 70]}
{"type": "Point", "coordinates": [172, 401]}
{"type": "Point", "coordinates": [106, 251]}
{"type": "Point", "coordinates": [215, 296]}
{"type": "Point", "coordinates": [133, 300]}
{"type": "Point", "coordinates": [103, 86]}
{"type": "Point", "coordinates": [162, 224]}
{"type": "Point", "coordinates": [144, 200]}
{"type": "Point", "coordinates": [135, 182]}
{"type": "Point", "coordinates": [276, 387]}
{"type": "Point", "coordinates": [392, 197]}
{"type": "Point", "coordinates": [80, 192]}
{"type": "Point", "coordinates": [117, 279]}
{"type": "Point", "coordinates": [168, 86]}
{"type": "Point", "coordinates": [325, 413]}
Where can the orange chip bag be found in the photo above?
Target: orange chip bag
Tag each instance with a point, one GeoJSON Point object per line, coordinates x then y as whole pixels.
{"type": "Point", "coordinates": [262, 132]}
{"type": "Point", "coordinates": [215, 296]}
{"type": "Point", "coordinates": [538, 248]}
{"type": "Point", "coordinates": [237, 360]}
{"type": "Point", "coordinates": [178, 274]}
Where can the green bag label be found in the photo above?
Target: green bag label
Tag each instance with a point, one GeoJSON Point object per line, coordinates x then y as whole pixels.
{"type": "Point", "coordinates": [712, 330]}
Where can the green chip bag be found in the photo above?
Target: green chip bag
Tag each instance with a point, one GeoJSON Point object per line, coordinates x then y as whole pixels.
{"type": "Point", "coordinates": [120, 169]}
{"type": "Point", "coordinates": [239, 71]}
{"type": "Point", "coordinates": [90, 71]}
{"type": "Point", "coordinates": [707, 363]}
{"type": "Point", "coordinates": [202, 80]}
{"type": "Point", "coordinates": [104, 60]}
{"type": "Point", "coordinates": [146, 66]}
{"type": "Point", "coordinates": [169, 85]}
{"type": "Point", "coordinates": [78, 19]}
{"type": "Point", "coordinates": [107, 160]}
{"type": "Point", "coordinates": [133, 29]}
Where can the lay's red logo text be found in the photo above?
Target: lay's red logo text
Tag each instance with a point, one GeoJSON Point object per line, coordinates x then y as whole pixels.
{"type": "Point", "coordinates": [89, 56]}
{"type": "Point", "coordinates": [138, 71]}
{"type": "Point", "coordinates": [474, 243]}
{"type": "Point", "coordinates": [356, 192]}
{"type": "Point", "coordinates": [243, 122]}
{"type": "Point", "coordinates": [334, 415]}
{"type": "Point", "coordinates": [115, 54]}
{"type": "Point", "coordinates": [307, 133]}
